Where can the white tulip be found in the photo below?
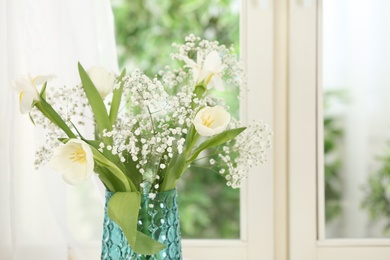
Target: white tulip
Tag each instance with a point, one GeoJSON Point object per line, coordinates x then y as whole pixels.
{"type": "Point", "coordinates": [26, 86]}
{"type": "Point", "coordinates": [74, 160]}
{"type": "Point", "coordinates": [210, 72]}
{"type": "Point", "coordinates": [211, 120]}
{"type": "Point", "coordinates": [102, 79]}
{"type": "Point", "coordinates": [195, 66]}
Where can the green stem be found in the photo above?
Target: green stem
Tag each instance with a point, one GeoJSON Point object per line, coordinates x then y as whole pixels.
{"type": "Point", "coordinates": [179, 163]}
{"type": "Point", "coordinates": [206, 168]}
{"type": "Point", "coordinates": [168, 183]}
{"type": "Point", "coordinates": [151, 120]}
{"type": "Point", "coordinates": [143, 212]}
{"type": "Point", "coordinates": [191, 145]}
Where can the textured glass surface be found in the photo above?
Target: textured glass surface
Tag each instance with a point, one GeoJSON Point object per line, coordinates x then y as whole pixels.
{"type": "Point", "coordinates": [158, 218]}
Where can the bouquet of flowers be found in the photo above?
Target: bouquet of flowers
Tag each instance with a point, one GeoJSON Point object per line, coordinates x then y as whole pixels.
{"type": "Point", "coordinates": [144, 132]}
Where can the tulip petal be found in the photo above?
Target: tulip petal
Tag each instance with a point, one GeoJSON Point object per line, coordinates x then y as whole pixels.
{"type": "Point", "coordinates": [21, 84]}
{"type": "Point", "coordinates": [199, 58]}
{"type": "Point", "coordinates": [26, 99]}
{"type": "Point", "coordinates": [212, 70]}
{"type": "Point", "coordinates": [76, 174]}
{"type": "Point", "coordinates": [217, 83]}
{"type": "Point", "coordinates": [74, 160]}
{"type": "Point", "coordinates": [102, 79]}
{"type": "Point", "coordinates": [212, 62]}
{"type": "Point", "coordinates": [41, 79]}
{"type": "Point", "coordinates": [195, 67]}
{"type": "Point", "coordinates": [27, 92]}
{"type": "Point", "coordinates": [189, 63]}
{"type": "Point", "coordinates": [203, 74]}
{"type": "Point", "coordinates": [204, 131]}
{"type": "Point", "coordinates": [211, 120]}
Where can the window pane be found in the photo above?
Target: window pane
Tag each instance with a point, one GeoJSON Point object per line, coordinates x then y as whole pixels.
{"type": "Point", "coordinates": [145, 31]}
{"type": "Point", "coordinates": [356, 87]}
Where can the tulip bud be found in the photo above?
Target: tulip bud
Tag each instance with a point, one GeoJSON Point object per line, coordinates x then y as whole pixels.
{"type": "Point", "coordinates": [102, 79]}
{"type": "Point", "coordinates": [211, 120]}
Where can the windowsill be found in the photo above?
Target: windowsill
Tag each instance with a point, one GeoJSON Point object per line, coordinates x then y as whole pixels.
{"type": "Point", "coordinates": [193, 248]}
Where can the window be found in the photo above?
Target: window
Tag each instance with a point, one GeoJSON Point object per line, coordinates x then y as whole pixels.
{"type": "Point", "coordinates": [311, 55]}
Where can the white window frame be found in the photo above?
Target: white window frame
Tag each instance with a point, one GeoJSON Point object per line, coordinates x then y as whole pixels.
{"type": "Point", "coordinates": [256, 197]}
{"type": "Point", "coordinates": [306, 177]}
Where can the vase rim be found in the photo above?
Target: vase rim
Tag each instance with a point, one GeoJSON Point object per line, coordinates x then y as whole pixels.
{"type": "Point", "coordinates": [144, 194]}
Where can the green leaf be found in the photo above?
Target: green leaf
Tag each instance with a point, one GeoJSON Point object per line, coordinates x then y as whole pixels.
{"type": "Point", "coordinates": [42, 94]}
{"type": "Point", "coordinates": [123, 209]}
{"type": "Point", "coordinates": [53, 116]}
{"type": "Point", "coordinates": [116, 99]}
{"type": "Point", "coordinates": [102, 161]}
{"type": "Point", "coordinates": [108, 154]}
{"type": "Point", "coordinates": [31, 119]}
{"type": "Point", "coordinates": [216, 140]}
{"type": "Point", "coordinates": [97, 105]}
{"type": "Point", "coordinates": [179, 167]}
{"type": "Point", "coordinates": [146, 245]}
{"type": "Point", "coordinates": [111, 184]}
{"type": "Point", "coordinates": [77, 131]}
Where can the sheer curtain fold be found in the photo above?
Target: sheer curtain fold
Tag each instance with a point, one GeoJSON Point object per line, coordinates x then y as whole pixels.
{"type": "Point", "coordinates": [41, 37]}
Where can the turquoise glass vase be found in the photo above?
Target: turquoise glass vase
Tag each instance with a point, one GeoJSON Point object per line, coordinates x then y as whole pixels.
{"type": "Point", "coordinates": [158, 218]}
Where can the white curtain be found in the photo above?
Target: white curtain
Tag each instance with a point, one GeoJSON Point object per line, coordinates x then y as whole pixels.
{"type": "Point", "coordinates": [42, 37]}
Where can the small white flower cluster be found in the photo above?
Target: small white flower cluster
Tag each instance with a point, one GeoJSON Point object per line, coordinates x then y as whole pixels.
{"type": "Point", "coordinates": [246, 151]}
{"type": "Point", "coordinates": [251, 146]}
{"type": "Point", "coordinates": [175, 78]}
{"type": "Point", "coordinates": [72, 105]}
{"type": "Point", "coordinates": [197, 48]}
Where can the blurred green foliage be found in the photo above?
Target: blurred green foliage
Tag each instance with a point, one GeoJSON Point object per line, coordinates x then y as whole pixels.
{"type": "Point", "coordinates": [377, 193]}
{"type": "Point", "coordinates": [377, 189]}
{"type": "Point", "coordinates": [145, 30]}
{"type": "Point", "coordinates": [333, 134]}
